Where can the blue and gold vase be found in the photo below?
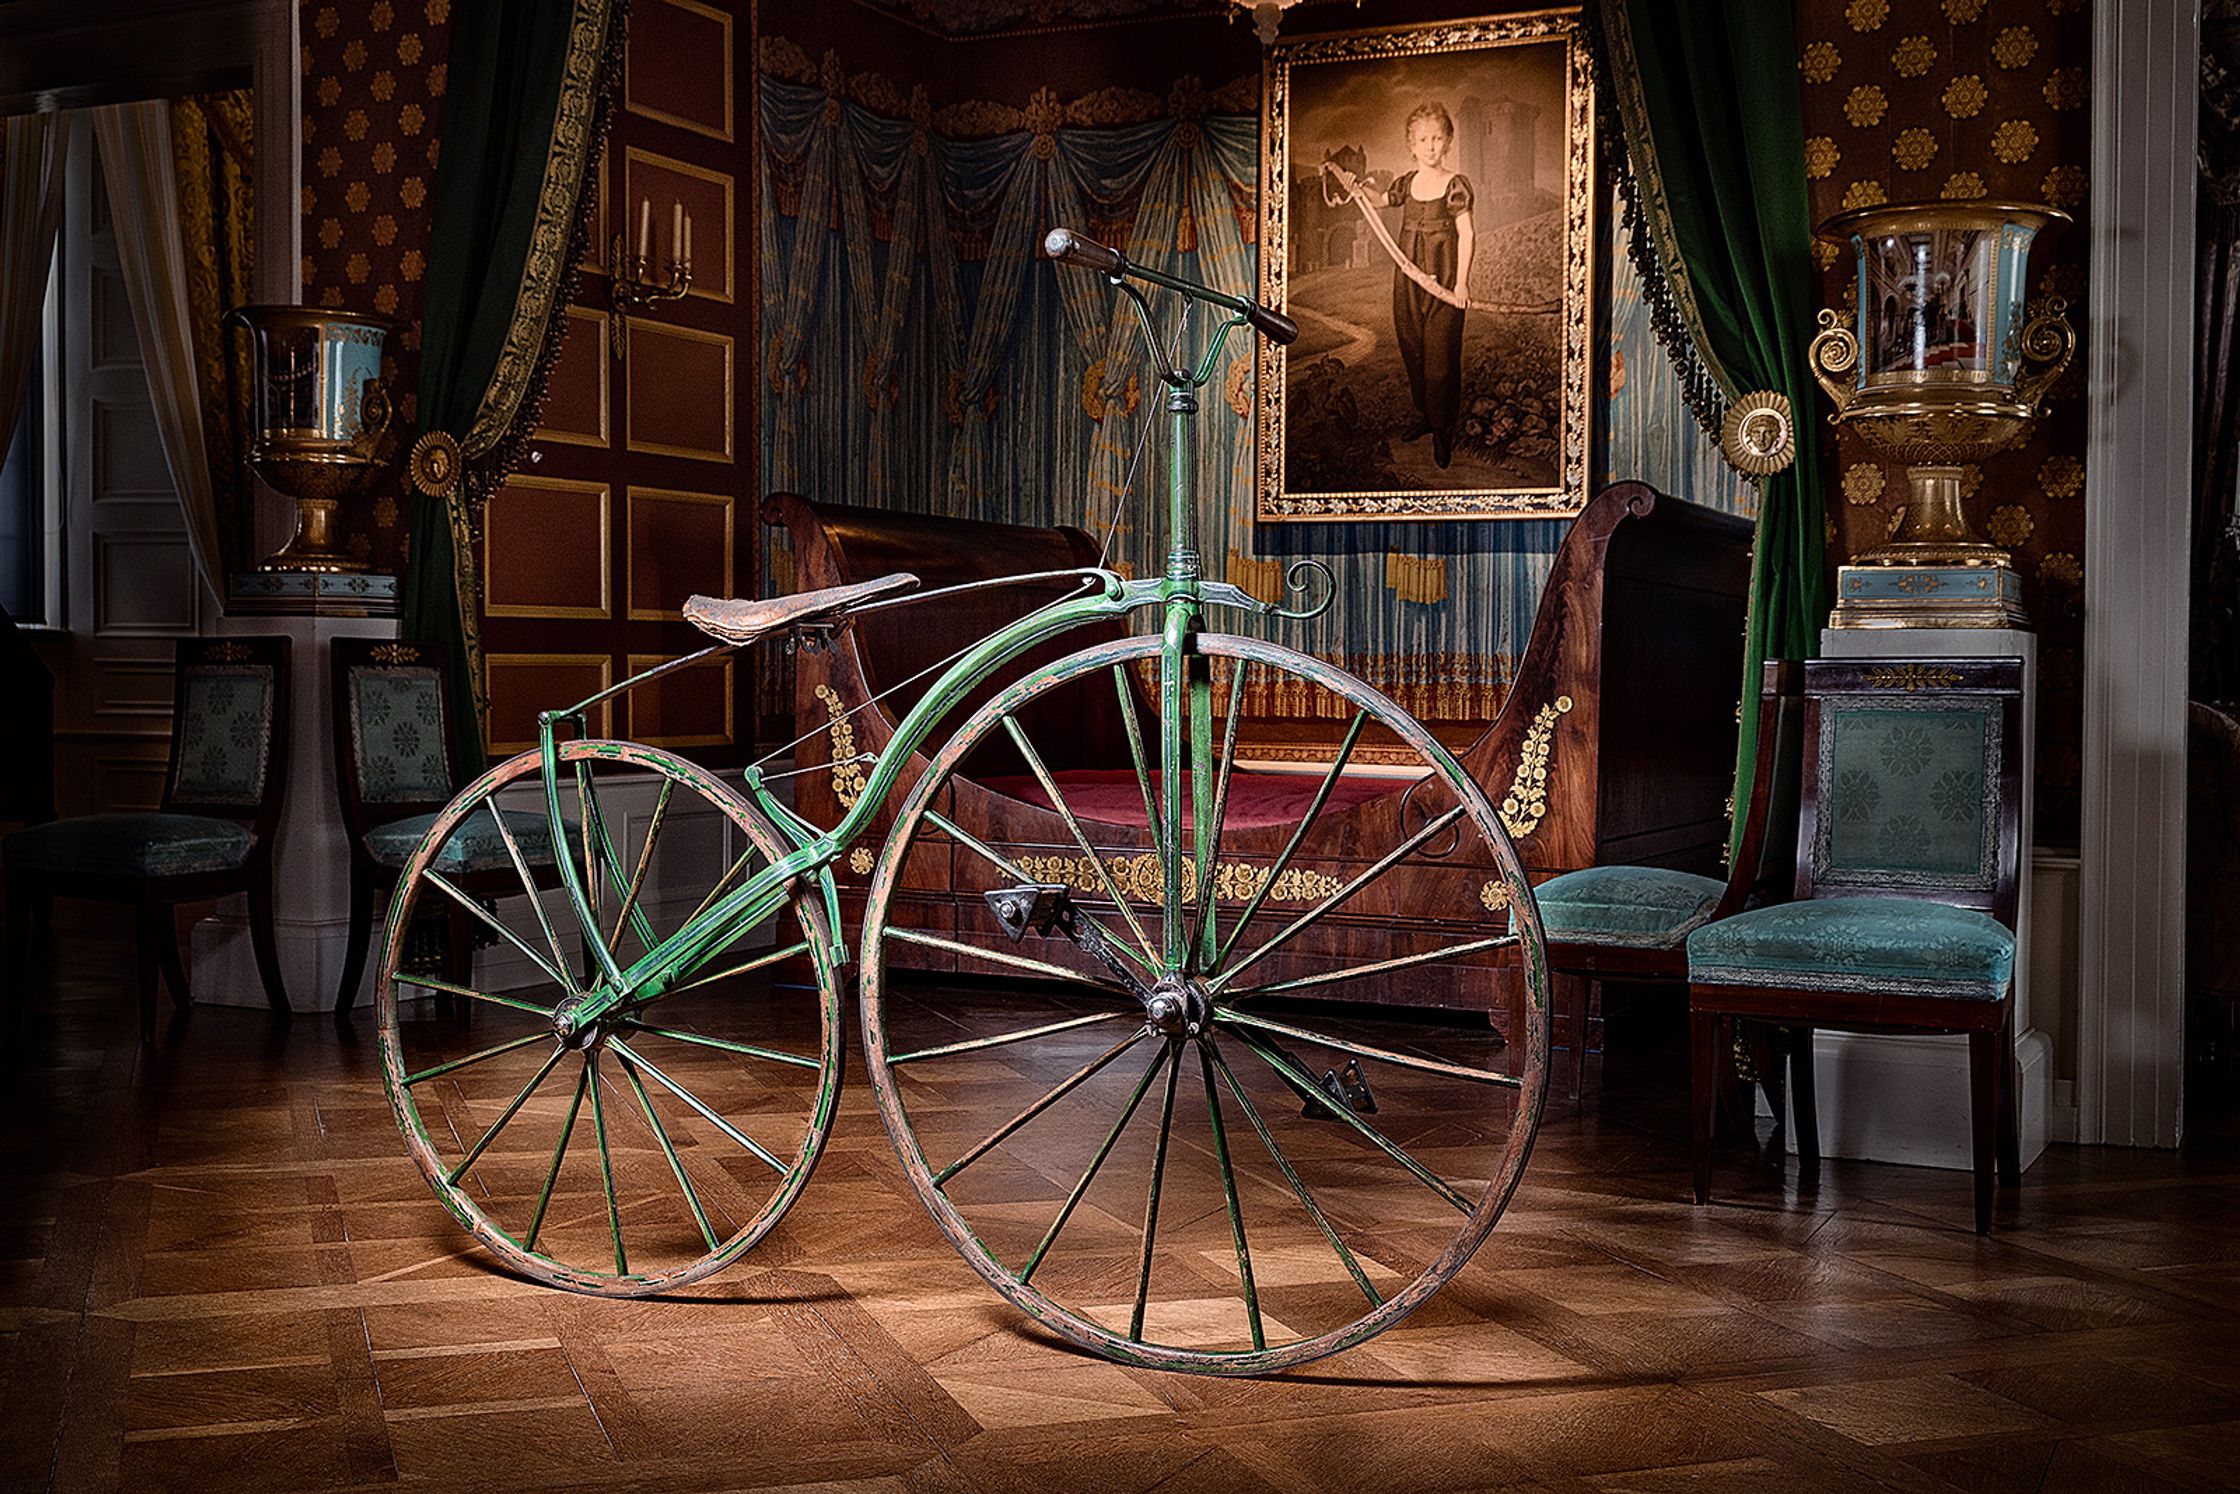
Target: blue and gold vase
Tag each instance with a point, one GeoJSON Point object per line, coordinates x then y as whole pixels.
{"type": "Point", "coordinates": [1940, 361]}
{"type": "Point", "coordinates": [318, 412]}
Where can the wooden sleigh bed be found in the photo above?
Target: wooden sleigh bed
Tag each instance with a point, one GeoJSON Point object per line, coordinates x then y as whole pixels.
{"type": "Point", "coordinates": [1616, 743]}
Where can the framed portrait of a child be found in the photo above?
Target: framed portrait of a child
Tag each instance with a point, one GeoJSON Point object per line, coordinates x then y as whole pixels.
{"type": "Point", "coordinates": [1427, 217]}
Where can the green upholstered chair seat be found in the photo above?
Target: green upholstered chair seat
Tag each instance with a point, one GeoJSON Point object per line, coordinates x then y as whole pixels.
{"type": "Point", "coordinates": [1902, 946]}
{"type": "Point", "coordinates": [1642, 907]}
{"type": "Point", "coordinates": [129, 845]}
{"type": "Point", "coordinates": [474, 846]}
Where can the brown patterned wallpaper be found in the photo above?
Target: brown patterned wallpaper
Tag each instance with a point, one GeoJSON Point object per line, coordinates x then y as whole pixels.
{"type": "Point", "coordinates": [373, 86]}
{"type": "Point", "coordinates": [1906, 100]}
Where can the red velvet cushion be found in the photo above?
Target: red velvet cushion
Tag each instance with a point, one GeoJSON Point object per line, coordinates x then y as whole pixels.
{"type": "Point", "coordinates": [1256, 800]}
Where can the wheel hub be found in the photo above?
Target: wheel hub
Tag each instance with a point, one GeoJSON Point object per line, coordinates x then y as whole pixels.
{"type": "Point", "coordinates": [1178, 1007]}
{"type": "Point", "coordinates": [578, 1022]}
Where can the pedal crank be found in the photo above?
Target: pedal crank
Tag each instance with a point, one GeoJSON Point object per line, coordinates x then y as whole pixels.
{"type": "Point", "coordinates": [1046, 908]}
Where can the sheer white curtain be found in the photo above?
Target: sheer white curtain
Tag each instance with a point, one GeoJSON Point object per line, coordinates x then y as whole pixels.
{"type": "Point", "coordinates": [33, 148]}
{"type": "Point", "coordinates": [135, 146]}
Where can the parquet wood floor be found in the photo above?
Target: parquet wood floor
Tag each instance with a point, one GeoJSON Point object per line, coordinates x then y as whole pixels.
{"type": "Point", "coordinates": [218, 1272]}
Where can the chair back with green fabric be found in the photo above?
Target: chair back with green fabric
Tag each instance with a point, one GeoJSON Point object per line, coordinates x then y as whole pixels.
{"type": "Point", "coordinates": [223, 787]}
{"type": "Point", "coordinates": [229, 732]}
{"type": "Point", "coordinates": [1913, 781]}
{"type": "Point", "coordinates": [392, 736]}
{"type": "Point", "coordinates": [394, 773]}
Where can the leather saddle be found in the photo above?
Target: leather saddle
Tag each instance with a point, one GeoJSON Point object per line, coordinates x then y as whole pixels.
{"type": "Point", "coordinates": [744, 619]}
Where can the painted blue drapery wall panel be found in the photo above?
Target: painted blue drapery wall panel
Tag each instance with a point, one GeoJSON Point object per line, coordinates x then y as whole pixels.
{"type": "Point", "coordinates": [919, 354]}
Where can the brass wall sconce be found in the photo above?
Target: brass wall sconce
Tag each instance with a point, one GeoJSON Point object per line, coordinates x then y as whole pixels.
{"type": "Point", "coordinates": [633, 289]}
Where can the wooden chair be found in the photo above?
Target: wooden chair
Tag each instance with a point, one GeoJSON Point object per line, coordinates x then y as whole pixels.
{"type": "Point", "coordinates": [212, 836]}
{"type": "Point", "coordinates": [1908, 865]}
{"type": "Point", "coordinates": [1631, 923]}
{"type": "Point", "coordinates": [393, 771]}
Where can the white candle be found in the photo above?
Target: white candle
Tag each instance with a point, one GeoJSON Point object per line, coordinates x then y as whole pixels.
{"type": "Point", "coordinates": [687, 255]}
{"type": "Point", "coordinates": [676, 231]}
{"type": "Point", "coordinates": [645, 227]}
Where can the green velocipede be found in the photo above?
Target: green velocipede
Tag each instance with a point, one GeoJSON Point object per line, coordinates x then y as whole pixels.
{"type": "Point", "coordinates": [1110, 1103]}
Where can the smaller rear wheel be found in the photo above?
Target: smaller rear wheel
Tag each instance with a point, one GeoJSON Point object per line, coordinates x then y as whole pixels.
{"type": "Point", "coordinates": [657, 1144]}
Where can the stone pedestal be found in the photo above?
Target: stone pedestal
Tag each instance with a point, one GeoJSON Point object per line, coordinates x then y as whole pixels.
{"type": "Point", "coordinates": [1905, 1099]}
{"type": "Point", "coordinates": [311, 860]}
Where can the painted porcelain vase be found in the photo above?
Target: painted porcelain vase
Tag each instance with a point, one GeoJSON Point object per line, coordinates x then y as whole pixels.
{"type": "Point", "coordinates": [1941, 361]}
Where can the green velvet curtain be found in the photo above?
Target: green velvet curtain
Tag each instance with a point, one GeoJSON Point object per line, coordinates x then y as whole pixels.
{"type": "Point", "coordinates": [1707, 92]}
{"type": "Point", "coordinates": [526, 106]}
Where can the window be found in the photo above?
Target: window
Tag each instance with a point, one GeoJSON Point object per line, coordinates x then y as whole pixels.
{"type": "Point", "coordinates": [31, 488]}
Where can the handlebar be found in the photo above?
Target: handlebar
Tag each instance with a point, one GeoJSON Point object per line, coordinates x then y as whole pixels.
{"type": "Point", "coordinates": [1067, 247]}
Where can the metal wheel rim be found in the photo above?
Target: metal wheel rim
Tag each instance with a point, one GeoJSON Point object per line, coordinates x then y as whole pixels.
{"type": "Point", "coordinates": [893, 1113]}
{"type": "Point", "coordinates": [815, 927]}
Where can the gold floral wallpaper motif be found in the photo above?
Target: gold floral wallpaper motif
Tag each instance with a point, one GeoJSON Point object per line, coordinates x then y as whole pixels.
{"type": "Point", "coordinates": [374, 76]}
{"type": "Point", "coordinates": [1915, 100]}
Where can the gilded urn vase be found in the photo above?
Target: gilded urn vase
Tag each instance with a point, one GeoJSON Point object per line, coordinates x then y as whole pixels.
{"type": "Point", "coordinates": [1939, 362]}
{"type": "Point", "coordinates": [318, 413]}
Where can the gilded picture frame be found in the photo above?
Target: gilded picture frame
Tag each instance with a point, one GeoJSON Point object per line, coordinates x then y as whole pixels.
{"type": "Point", "coordinates": [1396, 403]}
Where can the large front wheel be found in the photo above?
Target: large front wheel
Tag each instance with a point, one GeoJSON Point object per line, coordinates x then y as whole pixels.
{"type": "Point", "coordinates": [644, 1150]}
{"type": "Point", "coordinates": [1203, 1078]}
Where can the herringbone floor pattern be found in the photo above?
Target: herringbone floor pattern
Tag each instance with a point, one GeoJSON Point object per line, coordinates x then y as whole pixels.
{"type": "Point", "coordinates": [218, 1272]}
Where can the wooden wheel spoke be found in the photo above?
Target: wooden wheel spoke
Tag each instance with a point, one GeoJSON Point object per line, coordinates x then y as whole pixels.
{"type": "Point", "coordinates": [1134, 725]}
{"type": "Point", "coordinates": [559, 1151]}
{"type": "Point", "coordinates": [1380, 967]}
{"type": "Point", "coordinates": [669, 1150]}
{"type": "Point", "coordinates": [1065, 1086]}
{"type": "Point", "coordinates": [699, 1107]}
{"type": "Point", "coordinates": [1211, 831]}
{"type": "Point", "coordinates": [1002, 1039]}
{"type": "Point", "coordinates": [1236, 1209]}
{"type": "Point", "coordinates": [1151, 1200]}
{"type": "Point", "coordinates": [528, 883]}
{"type": "Point", "coordinates": [739, 924]}
{"type": "Point", "coordinates": [587, 809]}
{"type": "Point", "coordinates": [1058, 802]}
{"type": "Point", "coordinates": [1089, 1174]}
{"type": "Point", "coordinates": [1298, 837]}
{"type": "Point", "coordinates": [722, 883]}
{"type": "Point", "coordinates": [1230, 1015]}
{"type": "Point", "coordinates": [1338, 899]}
{"type": "Point", "coordinates": [798, 947]}
{"type": "Point", "coordinates": [606, 1162]}
{"type": "Point", "coordinates": [473, 1058]}
{"type": "Point", "coordinates": [452, 891]}
{"type": "Point", "coordinates": [452, 988]}
{"type": "Point", "coordinates": [1011, 869]}
{"type": "Point", "coordinates": [1305, 1085]}
{"type": "Point", "coordinates": [1291, 1176]}
{"type": "Point", "coordinates": [727, 1045]}
{"type": "Point", "coordinates": [513, 1107]}
{"type": "Point", "coordinates": [1026, 963]}
{"type": "Point", "coordinates": [642, 928]}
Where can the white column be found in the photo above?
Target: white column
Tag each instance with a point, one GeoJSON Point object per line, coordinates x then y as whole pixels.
{"type": "Point", "coordinates": [2138, 481]}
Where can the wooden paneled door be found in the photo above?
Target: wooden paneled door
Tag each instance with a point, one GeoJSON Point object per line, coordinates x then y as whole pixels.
{"type": "Point", "coordinates": [637, 491]}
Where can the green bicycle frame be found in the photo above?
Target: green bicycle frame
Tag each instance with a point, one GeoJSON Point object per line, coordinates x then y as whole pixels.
{"type": "Point", "coordinates": [1181, 594]}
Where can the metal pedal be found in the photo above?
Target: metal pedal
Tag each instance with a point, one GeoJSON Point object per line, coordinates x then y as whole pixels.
{"type": "Point", "coordinates": [1352, 1086]}
{"type": "Point", "coordinates": [1031, 907]}
{"type": "Point", "coordinates": [1349, 1087]}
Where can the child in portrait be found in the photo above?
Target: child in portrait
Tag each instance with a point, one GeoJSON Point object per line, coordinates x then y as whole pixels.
{"type": "Point", "coordinates": [1431, 280]}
